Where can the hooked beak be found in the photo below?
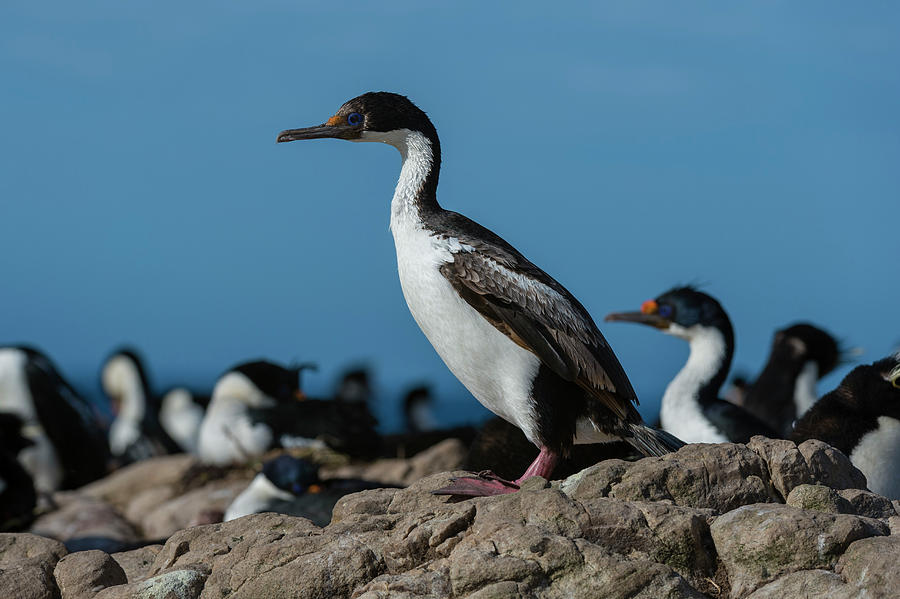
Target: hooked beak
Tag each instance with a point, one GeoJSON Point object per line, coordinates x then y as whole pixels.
{"type": "Point", "coordinates": [321, 131]}
{"type": "Point", "coordinates": [653, 320]}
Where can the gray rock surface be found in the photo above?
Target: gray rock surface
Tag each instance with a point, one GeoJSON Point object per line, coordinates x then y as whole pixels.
{"type": "Point", "coordinates": [720, 477]}
{"type": "Point", "coordinates": [709, 521]}
{"type": "Point", "coordinates": [758, 543]}
{"type": "Point", "coordinates": [137, 563]}
{"type": "Point", "coordinates": [26, 566]}
{"type": "Point", "coordinates": [85, 573]}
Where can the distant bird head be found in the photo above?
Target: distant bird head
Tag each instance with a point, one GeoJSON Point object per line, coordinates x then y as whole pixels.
{"type": "Point", "coordinates": [683, 312]}
{"type": "Point", "coordinates": [123, 378]}
{"type": "Point", "coordinates": [260, 382]}
{"type": "Point", "coordinates": [354, 386]}
{"type": "Point", "coordinates": [874, 388]}
{"type": "Point", "coordinates": [294, 475]}
{"type": "Point", "coordinates": [373, 116]}
{"type": "Point", "coordinates": [803, 342]}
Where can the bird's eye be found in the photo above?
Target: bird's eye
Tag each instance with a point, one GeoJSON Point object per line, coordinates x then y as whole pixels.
{"type": "Point", "coordinates": [665, 311]}
{"type": "Point", "coordinates": [895, 377]}
{"type": "Point", "coordinates": [354, 119]}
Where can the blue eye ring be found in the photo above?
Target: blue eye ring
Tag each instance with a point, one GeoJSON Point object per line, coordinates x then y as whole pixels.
{"type": "Point", "coordinates": [665, 311]}
{"type": "Point", "coordinates": [354, 119]}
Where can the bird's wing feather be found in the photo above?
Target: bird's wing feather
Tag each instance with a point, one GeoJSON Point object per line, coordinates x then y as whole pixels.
{"type": "Point", "coordinates": [540, 315]}
{"type": "Point", "coordinates": [736, 423]}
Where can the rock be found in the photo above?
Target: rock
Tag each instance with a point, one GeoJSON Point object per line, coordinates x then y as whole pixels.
{"type": "Point", "coordinates": [805, 583]}
{"type": "Point", "coordinates": [83, 574]}
{"type": "Point", "coordinates": [262, 554]}
{"type": "Point", "coordinates": [867, 503]}
{"type": "Point", "coordinates": [672, 535]}
{"type": "Point", "coordinates": [447, 455]}
{"type": "Point", "coordinates": [175, 584]}
{"type": "Point", "coordinates": [716, 476]}
{"type": "Point", "coordinates": [146, 501]}
{"type": "Point", "coordinates": [873, 567]}
{"type": "Point", "coordinates": [190, 508]}
{"type": "Point", "coordinates": [123, 485]}
{"type": "Point", "coordinates": [758, 543]}
{"type": "Point", "coordinates": [137, 563]}
{"type": "Point", "coordinates": [26, 566]}
{"type": "Point", "coordinates": [819, 498]}
{"type": "Point", "coordinates": [813, 462]}
{"type": "Point", "coordinates": [85, 517]}
{"type": "Point", "coordinates": [829, 466]}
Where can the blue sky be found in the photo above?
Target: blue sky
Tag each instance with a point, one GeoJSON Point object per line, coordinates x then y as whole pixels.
{"type": "Point", "coordinates": [623, 147]}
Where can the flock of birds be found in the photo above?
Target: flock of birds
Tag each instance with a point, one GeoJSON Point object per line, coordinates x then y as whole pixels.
{"type": "Point", "coordinates": [515, 337]}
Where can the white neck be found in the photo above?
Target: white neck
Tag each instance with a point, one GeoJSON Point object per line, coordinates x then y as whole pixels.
{"type": "Point", "coordinates": [14, 393]}
{"type": "Point", "coordinates": [681, 399]}
{"type": "Point", "coordinates": [418, 158]}
{"type": "Point", "coordinates": [805, 394]}
{"type": "Point", "coordinates": [122, 380]}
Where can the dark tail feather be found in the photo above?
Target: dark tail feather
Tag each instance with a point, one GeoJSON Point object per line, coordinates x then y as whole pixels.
{"type": "Point", "coordinates": [652, 442]}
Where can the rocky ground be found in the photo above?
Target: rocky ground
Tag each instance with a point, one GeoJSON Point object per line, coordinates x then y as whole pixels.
{"type": "Point", "coordinates": [765, 520]}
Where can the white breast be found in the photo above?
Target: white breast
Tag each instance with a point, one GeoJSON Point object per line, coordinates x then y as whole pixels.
{"type": "Point", "coordinates": [877, 455]}
{"type": "Point", "coordinates": [493, 368]}
{"type": "Point", "coordinates": [181, 418]}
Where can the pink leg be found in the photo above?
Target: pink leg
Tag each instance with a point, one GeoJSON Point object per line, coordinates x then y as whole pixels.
{"type": "Point", "coordinates": [487, 483]}
{"type": "Point", "coordinates": [542, 465]}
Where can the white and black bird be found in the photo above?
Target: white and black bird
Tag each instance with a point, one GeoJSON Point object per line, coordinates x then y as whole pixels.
{"type": "Point", "coordinates": [516, 338]}
{"type": "Point", "coordinates": [136, 433]}
{"type": "Point", "coordinates": [862, 419]}
{"type": "Point", "coordinates": [180, 414]}
{"type": "Point", "coordinates": [801, 354]}
{"type": "Point", "coordinates": [691, 408]}
{"type": "Point", "coordinates": [68, 441]}
{"type": "Point", "coordinates": [243, 419]}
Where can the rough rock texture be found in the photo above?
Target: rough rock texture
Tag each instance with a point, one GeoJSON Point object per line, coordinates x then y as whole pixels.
{"type": "Point", "coordinates": [26, 566]}
{"type": "Point", "coordinates": [137, 563]}
{"type": "Point", "coordinates": [728, 477]}
{"type": "Point", "coordinates": [449, 454]}
{"type": "Point", "coordinates": [709, 521]}
{"type": "Point", "coordinates": [757, 543]}
{"type": "Point", "coordinates": [85, 573]}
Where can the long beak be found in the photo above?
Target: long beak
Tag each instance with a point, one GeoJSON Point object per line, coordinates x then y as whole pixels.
{"type": "Point", "coordinates": [318, 132]}
{"type": "Point", "coordinates": [653, 320]}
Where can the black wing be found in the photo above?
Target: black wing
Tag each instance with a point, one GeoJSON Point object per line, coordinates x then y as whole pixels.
{"type": "Point", "coordinates": [536, 312]}
{"type": "Point", "coordinates": [737, 424]}
{"type": "Point", "coordinates": [69, 422]}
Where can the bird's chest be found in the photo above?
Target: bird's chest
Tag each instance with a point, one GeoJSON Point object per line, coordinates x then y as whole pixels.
{"type": "Point", "coordinates": [877, 455]}
{"type": "Point", "coordinates": [495, 370]}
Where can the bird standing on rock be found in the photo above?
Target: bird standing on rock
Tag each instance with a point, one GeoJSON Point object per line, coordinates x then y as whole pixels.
{"type": "Point", "coordinates": [516, 338]}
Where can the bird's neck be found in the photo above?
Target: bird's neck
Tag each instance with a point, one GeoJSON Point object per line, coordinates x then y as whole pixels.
{"type": "Point", "coordinates": [132, 399]}
{"type": "Point", "coordinates": [415, 197]}
{"type": "Point", "coordinates": [805, 394]}
{"type": "Point", "coordinates": [707, 366]}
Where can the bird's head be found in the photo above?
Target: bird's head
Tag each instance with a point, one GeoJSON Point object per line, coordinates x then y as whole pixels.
{"type": "Point", "coordinates": [374, 116]}
{"type": "Point", "coordinates": [683, 312]}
